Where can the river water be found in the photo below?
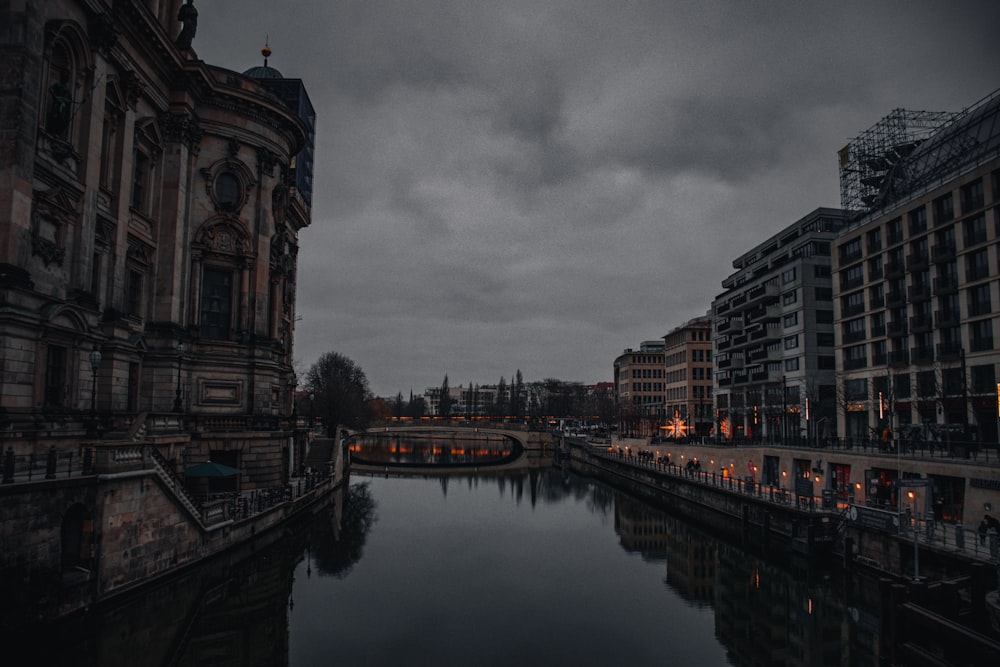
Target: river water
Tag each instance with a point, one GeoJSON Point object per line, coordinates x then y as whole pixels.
{"type": "Point", "coordinates": [529, 568]}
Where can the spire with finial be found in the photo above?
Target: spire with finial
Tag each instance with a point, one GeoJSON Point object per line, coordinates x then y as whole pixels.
{"type": "Point", "coordinates": [265, 72]}
{"type": "Point", "coordinates": [266, 51]}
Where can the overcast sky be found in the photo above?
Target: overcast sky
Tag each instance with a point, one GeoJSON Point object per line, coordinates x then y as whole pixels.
{"type": "Point", "coordinates": [539, 185]}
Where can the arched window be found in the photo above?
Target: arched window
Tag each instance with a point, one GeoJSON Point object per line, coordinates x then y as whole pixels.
{"type": "Point", "coordinates": [64, 82]}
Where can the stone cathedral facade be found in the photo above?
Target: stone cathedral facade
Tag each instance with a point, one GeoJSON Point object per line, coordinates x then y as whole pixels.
{"type": "Point", "coordinates": [150, 211]}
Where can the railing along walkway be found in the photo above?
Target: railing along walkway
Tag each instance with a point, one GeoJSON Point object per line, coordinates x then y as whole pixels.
{"type": "Point", "coordinates": [19, 468]}
{"type": "Point", "coordinates": [245, 504]}
{"type": "Point", "coordinates": [927, 531]}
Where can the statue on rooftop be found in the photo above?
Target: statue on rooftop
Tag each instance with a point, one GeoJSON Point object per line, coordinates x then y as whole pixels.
{"type": "Point", "coordinates": [188, 16]}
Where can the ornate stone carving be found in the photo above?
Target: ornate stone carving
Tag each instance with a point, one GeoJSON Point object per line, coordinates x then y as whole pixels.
{"type": "Point", "coordinates": [182, 128]}
{"type": "Point", "coordinates": [132, 87]}
{"type": "Point", "coordinates": [140, 252]}
{"type": "Point", "coordinates": [223, 237]}
{"type": "Point", "coordinates": [266, 161]}
{"type": "Point", "coordinates": [48, 250]}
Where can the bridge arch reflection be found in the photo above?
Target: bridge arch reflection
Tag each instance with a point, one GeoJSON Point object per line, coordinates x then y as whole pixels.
{"type": "Point", "coordinates": [435, 448]}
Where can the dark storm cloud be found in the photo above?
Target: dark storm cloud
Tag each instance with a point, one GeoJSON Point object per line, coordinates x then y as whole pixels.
{"type": "Point", "coordinates": [538, 185]}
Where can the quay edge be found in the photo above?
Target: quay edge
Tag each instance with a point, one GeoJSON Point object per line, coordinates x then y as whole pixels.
{"type": "Point", "coordinates": [140, 526]}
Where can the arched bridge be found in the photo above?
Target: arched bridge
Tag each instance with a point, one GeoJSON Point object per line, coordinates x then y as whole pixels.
{"type": "Point", "coordinates": [430, 447]}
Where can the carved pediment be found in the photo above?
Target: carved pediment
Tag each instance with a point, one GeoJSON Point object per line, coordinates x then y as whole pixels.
{"type": "Point", "coordinates": [57, 204]}
{"type": "Point", "coordinates": [223, 237]}
{"type": "Point", "coordinates": [140, 252]}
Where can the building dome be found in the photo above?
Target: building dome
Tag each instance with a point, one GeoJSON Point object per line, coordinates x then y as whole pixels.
{"type": "Point", "coordinates": [263, 72]}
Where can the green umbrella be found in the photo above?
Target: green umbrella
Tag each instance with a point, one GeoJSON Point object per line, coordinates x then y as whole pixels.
{"type": "Point", "coordinates": [209, 469]}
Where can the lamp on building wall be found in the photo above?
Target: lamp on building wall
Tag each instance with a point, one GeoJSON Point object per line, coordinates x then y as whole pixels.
{"type": "Point", "coordinates": [177, 392]}
{"type": "Point", "coordinates": [95, 363]}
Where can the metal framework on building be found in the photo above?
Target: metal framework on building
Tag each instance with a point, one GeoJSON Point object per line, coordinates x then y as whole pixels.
{"type": "Point", "coordinates": [871, 162]}
{"type": "Point", "coordinates": [910, 150]}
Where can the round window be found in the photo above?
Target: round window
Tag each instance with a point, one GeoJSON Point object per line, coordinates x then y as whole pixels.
{"type": "Point", "coordinates": [227, 191]}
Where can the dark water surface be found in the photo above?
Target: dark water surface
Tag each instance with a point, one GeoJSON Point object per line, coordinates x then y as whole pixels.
{"type": "Point", "coordinates": [527, 568]}
{"type": "Point", "coordinates": [502, 571]}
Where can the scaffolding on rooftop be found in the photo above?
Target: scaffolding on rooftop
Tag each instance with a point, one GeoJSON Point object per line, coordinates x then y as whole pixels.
{"type": "Point", "coordinates": [869, 163]}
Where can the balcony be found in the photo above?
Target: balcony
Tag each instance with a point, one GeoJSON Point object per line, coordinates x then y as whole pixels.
{"type": "Point", "coordinates": [854, 364]}
{"type": "Point", "coordinates": [895, 298]}
{"type": "Point", "coordinates": [723, 363]}
{"type": "Point", "coordinates": [945, 285]}
{"type": "Point", "coordinates": [947, 318]}
{"type": "Point", "coordinates": [722, 308]}
{"type": "Point", "coordinates": [949, 351]}
{"type": "Point", "coordinates": [943, 252]}
{"type": "Point", "coordinates": [899, 358]}
{"type": "Point", "coordinates": [922, 355]}
{"type": "Point", "coordinates": [725, 382]}
{"type": "Point", "coordinates": [739, 340]}
{"type": "Point", "coordinates": [723, 345]}
{"type": "Point", "coordinates": [877, 330]}
{"type": "Point", "coordinates": [894, 270]}
{"type": "Point", "coordinates": [879, 359]}
{"type": "Point", "coordinates": [849, 257]}
{"type": "Point", "coordinates": [897, 328]}
{"type": "Point", "coordinates": [917, 262]}
{"type": "Point", "coordinates": [919, 292]}
{"type": "Point", "coordinates": [764, 354]}
{"type": "Point", "coordinates": [765, 333]}
{"type": "Point", "coordinates": [919, 323]}
{"type": "Point", "coordinates": [854, 336]}
{"type": "Point", "coordinates": [764, 312]}
{"type": "Point", "coordinates": [853, 309]}
{"type": "Point", "coordinates": [850, 283]}
{"type": "Point", "coordinates": [763, 291]}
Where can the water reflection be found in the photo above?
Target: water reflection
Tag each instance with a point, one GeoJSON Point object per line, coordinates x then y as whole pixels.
{"type": "Point", "coordinates": [434, 571]}
{"type": "Point", "coordinates": [434, 450]}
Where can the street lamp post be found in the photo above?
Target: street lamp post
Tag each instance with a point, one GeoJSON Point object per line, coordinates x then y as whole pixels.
{"type": "Point", "coordinates": [312, 411]}
{"type": "Point", "coordinates": [95, 363]}
{"type": "Point", "coordinates": [177, 392]}
{"type": "Point", "coordinates": [916, 551]}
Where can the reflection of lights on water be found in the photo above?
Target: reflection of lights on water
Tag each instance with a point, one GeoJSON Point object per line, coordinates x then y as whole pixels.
{"type": "Point", "coordinates": [382, 449]}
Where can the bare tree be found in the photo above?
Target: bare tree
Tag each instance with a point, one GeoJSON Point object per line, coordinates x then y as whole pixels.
{"type": "Point", "coordinates": [341, 392]}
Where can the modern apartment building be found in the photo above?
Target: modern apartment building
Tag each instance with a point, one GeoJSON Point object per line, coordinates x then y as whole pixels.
{"type": "Point", "coordinates": [639, 386]}
{"type": "Point", "coordinates": [688, 378]}
{"type": "Point", "coordinates": [774, 338]}
{"type": "Point", "coordinates": [916, 277]}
